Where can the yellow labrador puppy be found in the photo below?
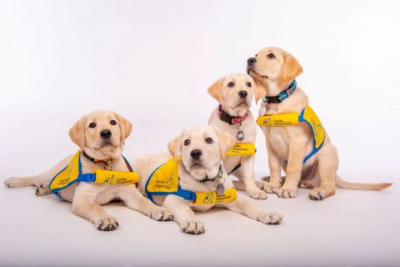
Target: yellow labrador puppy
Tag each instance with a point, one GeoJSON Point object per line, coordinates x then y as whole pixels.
{"type": "Point", "coordinates": [295, 137]}
{"type": "Point", "coordinates": [234, 93]}
{"type": "Point", "coordinates": [100, 136]}
{"type": "Point", "coordinates": [194, 179]}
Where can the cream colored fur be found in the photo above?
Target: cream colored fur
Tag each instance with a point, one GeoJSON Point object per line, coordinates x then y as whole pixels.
{"type": "Point", "coordinates": [87, 198]}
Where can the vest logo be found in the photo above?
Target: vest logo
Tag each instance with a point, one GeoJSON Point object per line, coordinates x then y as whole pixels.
{"type": "Point", "coordinates": [268, 121]}
{"type": "Point", "coordinates": [209, 198]}
{"type": "Point", "coordinates": [109, 180]}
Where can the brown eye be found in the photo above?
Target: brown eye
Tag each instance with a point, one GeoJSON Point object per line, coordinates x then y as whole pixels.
{"type": "Point", "coordinates": [187, 142]}
{"type": "Point", "coordinates": [92, 125]}
{"type": "Point", "coordinates": [209, 140]}
{"type": "Point", "coordinates": [248, 84]}
{"type": "Point", "coordinates": [113, 122]}
{"type": "Point", "coordinates": [231, 84]}
{"type": "Point", "coordinates": [271, 56]}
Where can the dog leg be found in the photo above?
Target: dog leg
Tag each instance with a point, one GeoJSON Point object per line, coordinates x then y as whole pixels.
{"type": "Point", "coordinates": [245, 207]}
{"type": "Point", "coordinates": [83, 205]}
{"type": "Point", "coordinates": [14, 182]}
{"type": "Point", "coordinates": [293, 169]}
{"type": "Point", "coordinates": [327, 167]}
{"type": "Point", "coordinates": [133, 199]}
{"type": "Point", "coordinates": [274, 183]}
{"type": "Point", "coordinates": [184, 215]}
{"type": "Point", "coordinates": [246, 174]}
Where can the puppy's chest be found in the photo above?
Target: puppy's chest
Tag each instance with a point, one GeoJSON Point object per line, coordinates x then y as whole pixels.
{"type": "Point", "coordinates": [244, 131]}
{"type": "Point", "coordinates": [279, 139]}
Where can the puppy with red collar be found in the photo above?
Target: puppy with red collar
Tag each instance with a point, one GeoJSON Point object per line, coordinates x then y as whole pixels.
{"type": "Point", "coordinates": [234, 93]}
{"type": "Point", "coordinates": [97, 174]}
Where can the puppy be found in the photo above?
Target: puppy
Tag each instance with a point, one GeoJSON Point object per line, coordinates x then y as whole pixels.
{"type": "Point", "coordinates": [234, 93]}
{"type": "Point", "coordinates": [295, 137]}
{"type": "Point", "coordinates": [100, 136]}
{"type": "Point", "coordinates": [194, 179]}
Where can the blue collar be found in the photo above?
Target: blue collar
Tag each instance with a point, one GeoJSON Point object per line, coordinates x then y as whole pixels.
{"type": "Point", "coordinates": [282, 95]}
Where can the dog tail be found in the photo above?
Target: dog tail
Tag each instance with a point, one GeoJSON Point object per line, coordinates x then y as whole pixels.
{"type": "Point", "coordinates": [362, 186]}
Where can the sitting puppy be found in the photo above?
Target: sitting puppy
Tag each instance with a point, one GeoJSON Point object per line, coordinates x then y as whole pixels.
{"type": "Point", "coordinates": [194, 178]}
{"type": "Point", "coordinates": [80, 178]}
{"type": "Point", "coordinates": [295, 137]}
{"type": "Point", "coordinates": [234, 93]}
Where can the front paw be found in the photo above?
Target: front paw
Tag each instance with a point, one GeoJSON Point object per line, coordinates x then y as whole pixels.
{"type": "Point", "coordinates": [12, 182]}
{"type": "Point", "coordinates": [269, 217]}
{"type": "Point", "coordinates": [287, 192]}
{"type": "Point", "coordinates": [193, 227]}
{"type": "Point", "coordinates": [257, 194]}
{"type": "Point", "coordinates": [271, 187]}
{"type": "Point", "coordinates": [106, 224]}
{"type": "Point", "coordinates": [161, 214]}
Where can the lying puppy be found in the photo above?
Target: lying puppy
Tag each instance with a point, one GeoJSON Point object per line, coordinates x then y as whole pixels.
{"type": "Point", "coordinates": [100, 136]}
{"type": "Point", "coordinates": [194, 178]}
{"type": "Point", "coordinates": [295, 137]}
{"type": "Point", "coordinates": [234, 93]}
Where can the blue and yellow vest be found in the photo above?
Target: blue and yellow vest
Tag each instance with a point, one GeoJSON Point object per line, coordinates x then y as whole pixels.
{"type": "Point", "coordinates": [307, 115]}
{"type": "Point", "coordinates": [165, 181]}
{"type": "Point", "coordinates": [73, 174]}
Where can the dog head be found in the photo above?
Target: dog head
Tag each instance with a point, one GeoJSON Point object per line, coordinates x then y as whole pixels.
{"type": "Point", "coordinates": [274, 64]}
{"type": "Point", "coordinates": [234, 92]}
{"type": "Point", "coordinates": [202, 150]}
{"type": "Point", "coordinates": [101, 134]}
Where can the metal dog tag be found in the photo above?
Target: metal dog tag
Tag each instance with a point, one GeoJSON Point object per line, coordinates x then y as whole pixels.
{"type": "Point", "coordinates": [220, 190]}
{"type": "Point", "coordinates": [240, 135]}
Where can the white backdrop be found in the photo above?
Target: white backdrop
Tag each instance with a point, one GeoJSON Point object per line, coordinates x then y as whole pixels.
{"type": "Point", "coordinates": [152, 61]}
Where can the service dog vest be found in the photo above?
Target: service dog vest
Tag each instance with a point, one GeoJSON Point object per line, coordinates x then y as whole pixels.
{"type": "Point", "coordinates": [73, 174]}
{"type": "Point", "coordinates": [307, 115]}
{"type": "Point", "coordinates": [165, 181]}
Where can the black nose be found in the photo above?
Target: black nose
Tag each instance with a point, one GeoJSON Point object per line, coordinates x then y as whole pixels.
{"type": "Point", "coordinates": [251, 60]}
{"type": "Point", "coordinates": [105, 134]}
{"type": "Point", "coordinates": [242, 94]}
{"type": "Point", "coordinates": [195, 154]}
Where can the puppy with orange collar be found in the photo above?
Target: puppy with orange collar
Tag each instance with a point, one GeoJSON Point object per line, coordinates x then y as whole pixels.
{"type": "Point", "coordinates": [97, 174]}
{"type": "Point", "coordinates": [235, 93]}
{"type": "Point", "coordinates": [295, 137]}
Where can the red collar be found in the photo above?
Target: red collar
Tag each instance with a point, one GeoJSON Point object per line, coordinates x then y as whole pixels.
{"type": "Point", "coordinates": [230, 119]}
{"type": "Point", "coordinates": [107, 162]}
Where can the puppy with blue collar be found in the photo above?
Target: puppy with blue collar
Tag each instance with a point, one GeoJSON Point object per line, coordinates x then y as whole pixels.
{"type": "Point", "coordinates": [295, 137]}
{"type": "Point", "coordinates": [193, 178]}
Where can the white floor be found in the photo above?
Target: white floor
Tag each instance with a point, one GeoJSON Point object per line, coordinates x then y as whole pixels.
{"type": "Point", "coordinates": [353, 228]}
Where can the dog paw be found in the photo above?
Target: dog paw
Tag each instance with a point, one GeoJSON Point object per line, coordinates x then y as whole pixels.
{"type": "Point", "coordinates": [161, 214]}
{"type": "Point", "coordinates": [271, 188]}
{"type": "Point", "coordinates": [317, 194]}
{"type": "Point", "coordinates": [257, 194]}
{"type": "Point", "coordinates": [269, 217]}
{"type": "Point", "coordinates": [12, 182]}
{"type": "Point", "coordinates": [43, 190]}
{"type": "Point", "coordinates": [287, 192]}
{"type": "Point", "coordinates": [106, 224]}
{"type": "Point", "coordinates": [193, 227]}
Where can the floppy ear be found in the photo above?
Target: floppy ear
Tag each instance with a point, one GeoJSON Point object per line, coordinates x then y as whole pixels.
{"type": "Point", "coordinates": [174, 147]}
{"type": "Point", "coordinates": [77, 133]}
{"type": "Point", "coordinates": [291, 68]}
{"type": "Point", "coordinates": [259, 91]}
{"type": "Point", "coordinates": [125, 127]}
{"type": "Point", "coordinates": [226, 141]}
{"type": "Point", "coordinates": [215, 89]}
